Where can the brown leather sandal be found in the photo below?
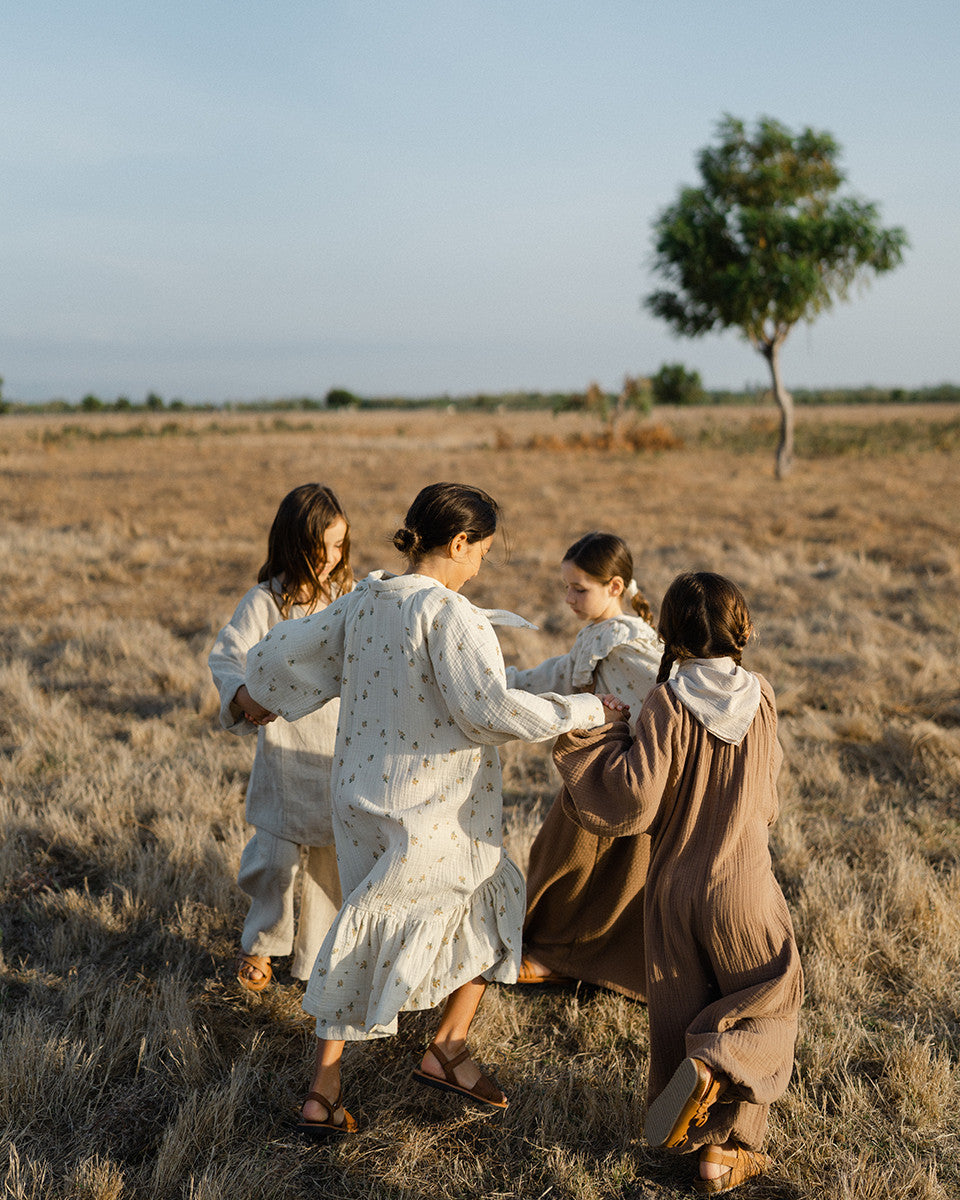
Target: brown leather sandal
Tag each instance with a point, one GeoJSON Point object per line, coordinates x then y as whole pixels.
{"type": "Point", "coordinates": [528, 975]}
{"type": "Point", "coordinates": [685, 1101]}
{"type": "Point", "coordinates": [246, 964]}
{"type": "Point", "coordinates": [484, 1090]}
{"type": "Point", "coordinates": [741, 1164]}
{"type": "Point", "coordinates": [319, 1129]}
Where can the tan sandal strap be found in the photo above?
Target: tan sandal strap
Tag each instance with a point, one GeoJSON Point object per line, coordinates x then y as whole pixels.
{"type": "Point", "coordinates": [719, 1157]}
{"type": "Point", "coordinates": [254, 962]}
{"type": "Point", "coordinates": [321, 1099]}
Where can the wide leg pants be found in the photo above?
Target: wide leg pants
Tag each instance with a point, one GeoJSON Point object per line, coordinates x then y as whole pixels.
{"type": "Point", "coordinates": [268, 872]}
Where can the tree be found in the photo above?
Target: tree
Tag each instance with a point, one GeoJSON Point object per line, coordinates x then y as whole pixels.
{"type": "Point", "coordinates": [341, 398]}
{"type": "Point", "coordinates": [766, 242]}
{"type": "Point", "coordinates": [674, 384]}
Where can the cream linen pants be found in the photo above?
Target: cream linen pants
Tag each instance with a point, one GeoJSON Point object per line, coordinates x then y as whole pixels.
{"type": "Point", "coordinates": [268, 873]}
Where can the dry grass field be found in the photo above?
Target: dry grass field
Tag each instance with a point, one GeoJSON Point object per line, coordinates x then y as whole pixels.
{"type": "Point", "coordinates": [132, 1066]}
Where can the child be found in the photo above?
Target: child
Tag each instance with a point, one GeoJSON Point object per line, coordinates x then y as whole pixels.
{"type": "Point", "coordinates": [585, 893]}
{"type": "Point", "coordinates": [724, 983]}
{"type": "Point", "coordinates": [433, 905]}
{"type": "Point", "coordinates": [288, 797]}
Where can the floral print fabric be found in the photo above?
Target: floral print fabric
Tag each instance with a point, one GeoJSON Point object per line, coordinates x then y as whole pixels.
{"type": "Point", "coordinates": [432, 900]}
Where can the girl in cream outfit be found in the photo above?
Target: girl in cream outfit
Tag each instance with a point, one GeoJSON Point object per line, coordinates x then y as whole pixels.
{"type": "Point", "coordinates": [288, 796]}
{"type": "Point", "coordinates": [433, 904]}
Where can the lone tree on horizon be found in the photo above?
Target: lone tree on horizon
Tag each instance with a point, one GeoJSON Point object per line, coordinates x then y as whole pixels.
{"type": "Point", "coordinates": [765, 242]}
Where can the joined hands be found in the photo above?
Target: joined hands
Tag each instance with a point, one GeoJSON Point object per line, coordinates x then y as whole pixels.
{"type": "Point", "coordinates": [614, 709]}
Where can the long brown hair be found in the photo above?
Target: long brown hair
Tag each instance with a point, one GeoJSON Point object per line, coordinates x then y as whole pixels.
{"type": "Point", "coordinates": [295, 550]}
{"type": "Point", "coordinates": [604, 556]}
{"type": "Point", "coordinates": [702, 615]}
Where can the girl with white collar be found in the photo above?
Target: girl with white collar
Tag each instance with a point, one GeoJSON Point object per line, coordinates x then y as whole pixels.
{"type": "Point", "coordinates": [723, 977]}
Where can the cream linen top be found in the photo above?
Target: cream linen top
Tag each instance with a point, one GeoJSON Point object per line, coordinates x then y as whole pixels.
{"type": "Point", "coordinates": [289, 790]}
{"type": "Point", "coordinates": [620, 656]}
{"type": "Point", "coordinates": [432, 900]}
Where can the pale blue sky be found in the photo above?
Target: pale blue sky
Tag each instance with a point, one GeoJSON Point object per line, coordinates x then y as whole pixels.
{"type": "Point", "coordinates": [245, 198]}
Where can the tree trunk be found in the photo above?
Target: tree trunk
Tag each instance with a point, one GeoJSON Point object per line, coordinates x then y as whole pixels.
{"type": "Point", "coordinates": [771, 353]}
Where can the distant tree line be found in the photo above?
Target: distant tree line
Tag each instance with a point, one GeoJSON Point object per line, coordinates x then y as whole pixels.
{"type": "Point", "coordinates": [673, 384]}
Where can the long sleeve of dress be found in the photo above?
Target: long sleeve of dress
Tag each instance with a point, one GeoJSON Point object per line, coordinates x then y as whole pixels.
{"type": "Point", "coordinates": [552, 675]}
{"type": "Point", "coordinates": [299, 665]}
{"type": "Point", "coordinates": [468, 665]}
{"type": "Point", "coordinates": [614, 782]}
{"type": "Point", "coordinates": [228, 658]}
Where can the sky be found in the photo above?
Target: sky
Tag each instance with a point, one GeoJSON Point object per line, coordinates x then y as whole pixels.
{"type": "Point", "coordinates": [241, 199]}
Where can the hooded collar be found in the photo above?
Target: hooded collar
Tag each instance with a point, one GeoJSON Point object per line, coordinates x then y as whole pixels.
{"type": "Point", "coordinates": [723, 697]}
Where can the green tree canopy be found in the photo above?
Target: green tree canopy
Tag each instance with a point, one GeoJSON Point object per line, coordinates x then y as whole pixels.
{"type": "Point", "coordinates": [765, 242]}
{"type": "Point", "coordinates": [674, 384]}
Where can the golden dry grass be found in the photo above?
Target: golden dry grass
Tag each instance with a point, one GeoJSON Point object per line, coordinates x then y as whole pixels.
{"type": "Point", "coordinates": [132, 1066]}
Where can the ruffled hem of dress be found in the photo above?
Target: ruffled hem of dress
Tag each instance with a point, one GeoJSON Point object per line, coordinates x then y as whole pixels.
{"type": "Point", "coordinates": [376, 964]}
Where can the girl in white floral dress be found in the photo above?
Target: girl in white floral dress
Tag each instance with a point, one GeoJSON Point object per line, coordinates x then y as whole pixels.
{"type": "Point", "coordinates": [585, 893]}
{"type": "Point", "coordinates": [433, 905]}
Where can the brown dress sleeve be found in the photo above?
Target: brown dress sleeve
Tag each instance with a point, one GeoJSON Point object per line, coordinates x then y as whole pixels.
{"type": "Point", "coordinates": [613, 782]}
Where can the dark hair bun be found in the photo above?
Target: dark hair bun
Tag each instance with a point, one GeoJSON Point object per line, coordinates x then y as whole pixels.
{"type": "Point", "coordinates": [441, 511]}
{"type": "Point", "coordinates": [406, 540]}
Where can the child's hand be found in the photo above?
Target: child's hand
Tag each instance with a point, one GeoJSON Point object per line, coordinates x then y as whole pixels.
{"type": "Point", "coordinates": [255, 713]}
{"type": "Point", "coordinates": [614, 709]}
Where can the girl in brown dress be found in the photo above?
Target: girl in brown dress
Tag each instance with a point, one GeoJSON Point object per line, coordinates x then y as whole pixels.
{"type": "Point", "coordinates": [723, 977]}
{"type": "Point", "coordinates": [585, 893]}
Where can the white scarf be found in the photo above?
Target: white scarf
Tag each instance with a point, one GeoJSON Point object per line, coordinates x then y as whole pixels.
{"type": "Point", "coordinates": [723, 697]}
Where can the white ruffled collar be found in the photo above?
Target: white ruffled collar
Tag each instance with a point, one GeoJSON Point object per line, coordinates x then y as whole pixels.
{"type": "Point", "coordinates": [599, 639]}
{"type": "Point", "coordinates": [722, 696]}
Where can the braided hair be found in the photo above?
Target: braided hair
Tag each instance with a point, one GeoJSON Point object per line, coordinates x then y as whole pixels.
{"type": "Point", "coordinates": [702, 615]}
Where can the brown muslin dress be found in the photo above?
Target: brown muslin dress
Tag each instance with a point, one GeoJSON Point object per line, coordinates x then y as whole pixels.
{"type": "Point", "coordinates": [723, 976]}
{"type": "Point", "coordinates": [585, 893]}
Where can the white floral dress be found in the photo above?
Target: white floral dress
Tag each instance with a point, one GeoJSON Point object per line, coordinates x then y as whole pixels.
{"type": "Point", "coordinates": [620, 655]}
{"type": "Point", "coordinates": [432, 900]}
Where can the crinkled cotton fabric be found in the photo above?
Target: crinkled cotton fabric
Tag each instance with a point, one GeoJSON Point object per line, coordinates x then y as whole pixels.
{"type": "Point", "coordinates": [432, 900]}
{"type": "Point", "coordinates": [620, 656]}
{"type": "Point", "coordinates": [723, 977]}
{"type": "Point", "coordinates": [585, 893]}
{"type": "Point", "coordinates": [289, 790]}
